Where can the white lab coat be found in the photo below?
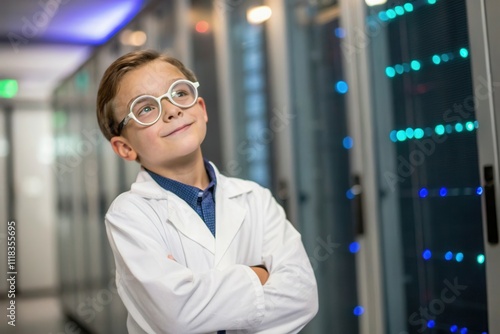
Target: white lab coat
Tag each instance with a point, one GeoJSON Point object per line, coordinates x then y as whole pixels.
{"type": "Point", "coordinates": [209, 286]}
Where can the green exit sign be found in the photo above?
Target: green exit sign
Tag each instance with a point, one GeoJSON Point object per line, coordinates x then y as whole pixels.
{"type": "Point", "coordinates": [8, 88]}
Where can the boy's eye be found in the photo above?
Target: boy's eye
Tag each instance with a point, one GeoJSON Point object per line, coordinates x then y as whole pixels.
{"type": "Point", "coordinates": [144, 110]}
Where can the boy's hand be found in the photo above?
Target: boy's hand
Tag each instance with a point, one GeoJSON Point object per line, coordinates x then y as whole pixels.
{"type": "Point", "coordinates": [262, 273]}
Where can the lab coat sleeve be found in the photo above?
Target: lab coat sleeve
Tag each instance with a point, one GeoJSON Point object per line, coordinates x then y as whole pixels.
{"type": "Point", "coordinates": [291, 290]}
{"type": "Point", "coordinates": [164, 296]}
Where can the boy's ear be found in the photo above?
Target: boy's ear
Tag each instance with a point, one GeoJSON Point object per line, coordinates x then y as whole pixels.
{"type": "Point", "coordinates": [122, 148]}
{"type": "Point", "coordinates": [201, 102]}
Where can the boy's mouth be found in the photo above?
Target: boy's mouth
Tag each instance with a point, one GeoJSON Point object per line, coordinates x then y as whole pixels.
{"type": "Point", "coordinates": [178, 129]}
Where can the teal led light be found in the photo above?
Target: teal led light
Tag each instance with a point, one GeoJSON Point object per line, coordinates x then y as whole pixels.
{"type": "Point", "coordinates": [393, 136]}
{"type": "Point", "coordinates": [459, 257]}
{"type": "Point", "coordinates": [408, 7]}
{"type": "Point", "coordinates": [476, 124]}
{"type": "Point", "coordinates": [391, 13]}
{"type": "Point", "coordinates": [436, 59]}
{"type": "Point", "coordinates": [449, 128]}
{"type": "Point", "coordinates": [383, 16]}
{"type": "Point", "coordinates": [409, 133]}
{"type": "Point", "coordinates": [418, 133]}
{"type": "Point", "coordinates": [469, 126]}
{"type": "Point", "coordinates": [399, 10]}
{"type": "Point", "coordinates": [480, 259]}
{"type": "Point", "coordinates": [459, 127]}
{"type": "Point", "coordinates": [399, 68]}
{"type": "Point", "coordinates": [390, 71]}
{"type": "Point", "coordinates": [439, 129]}
{"type": "Point", "coordinates": [431, 2]}
{"type": "Point", "coordinates": [464, 52]}
{"type": "Point", "coordinates": [401, 135]}
{"type": "Point", "coordinates": [445, 57]}
{"type": "Point", "coordinates": [415, 65]}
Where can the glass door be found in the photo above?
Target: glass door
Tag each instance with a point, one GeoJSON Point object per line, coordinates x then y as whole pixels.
{"type": "Point", "coordinates": [431, 235]}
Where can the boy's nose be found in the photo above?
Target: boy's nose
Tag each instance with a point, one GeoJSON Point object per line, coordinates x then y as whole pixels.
{"type": "Point", "coordinates": [170, 110]}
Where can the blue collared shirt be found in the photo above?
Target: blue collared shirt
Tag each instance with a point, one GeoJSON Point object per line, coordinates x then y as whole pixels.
{"type": "Point", "coordinates": [201, 201]}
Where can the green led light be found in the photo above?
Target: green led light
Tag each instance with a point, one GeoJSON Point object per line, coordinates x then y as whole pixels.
{"type": "Point", "coordinates": [439, 129]}
{"type": "Point", "coordinates": [390, 72]}
{"type": "Point", "coordinates": [431, 2]}
{"type": "Point", "coordinates": [464, 52]}
{"type": "Point", "coordinates": [459, 127]}
{"type": "Point", "coordinates": [418, 133]}
{"type": "Point", "coordinates": [480, 259]}
{"type": "Point", "coordinates": [436, 59]}
{"type": "Point", "coordinates": [415, 65]}
{"type": "Point", "coordinates": [469, 126]}
{"type": "Point", "coordinates": [401, 135]}
{"type": "Point", "coordinates": [8, 88]}
{"type": "Point", "coordinates": [399, 10]}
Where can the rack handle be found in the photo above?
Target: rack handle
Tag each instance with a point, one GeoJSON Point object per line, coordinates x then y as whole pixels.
{"type": "Point", "coordinates": [491, 211]}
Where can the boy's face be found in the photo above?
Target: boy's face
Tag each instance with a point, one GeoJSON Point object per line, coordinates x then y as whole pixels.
{"type": "Point", "coordinates": [178, 133]}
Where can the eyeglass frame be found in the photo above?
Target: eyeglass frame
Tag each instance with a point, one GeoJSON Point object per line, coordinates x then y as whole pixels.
{"type": "Point", "coordinates": [158, 99]}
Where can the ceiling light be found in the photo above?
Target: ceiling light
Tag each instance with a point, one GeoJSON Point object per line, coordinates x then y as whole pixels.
{"type": "Point", "coordinates": [375, 2]}
{"type": "Point", "coordinates": [260, 14]}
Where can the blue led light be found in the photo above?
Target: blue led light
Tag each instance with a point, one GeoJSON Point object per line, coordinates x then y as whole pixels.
{"type": "Point", "coordinates": [354, 247]}
{"type": "Point", "coordinates": [419, 133]}
{"type": "Point", "coordinates": [409, 133]}
{"type": "Point", "coordinates": [428, 131]}
{"type": "Point", "coordinates": [423, 192]}
{"type": "Point", "coordinates": [390, 71]}
{"type": "Point", "coordinates": [406, 67]}
{"type": "Point", "coordinates": [431, 323]}
{"type": "Point", "coordinates": [383, 16]}
{"type": "Point", "coordinates": [347, 142]}
{"type": "Point", "coordinates": [358, 310]}
{"type": "Point", "coordinates": [480, 259]}
{"type": "Point", "coordinates": [448, 256]}
{"type": "Point", "coordinates": [443, 192]}
{"type": "Point", "coordinates": [479, 191]}
{"type": "Point", "coordinates": [459, 257]}
{"type": "Point", "coordinates": [445, 57]}
{"type": "Point", "coordinates": [464, 52]}
{"type": "Point", "coordinates": [459, 127]}
{"type": "Point", "coordinates": [399, 10]}
{"type": "Point", "coordinates": [341, 87]}
{"type": "Point", "coordinates": [449, 128]}
{"type": "Point", "coordinates": [349, 194]}
{"type": "Point", "coordinates": [476, 124]}
{"type": "Point", "coordinates": [399, 69]}
{"type": "Point", "coordinates": [393, 136]}
{"type": "Point", "coordinates": [453, 328]}
{"type": "Point", "coordinates": [469, 126]}
{"type": "Point", "coordinates": [401, 135]}
{"type": "Point", "coordinates": [464, 330]}
{"type": "Point", "coordinates": [427, 254]}
{"type": "Point", "coordinates": [391, 13]}
{"type": "Point", "coordinates": [340, 32]}
{"type": "Point", "coordinates": [408, 7]}
{"type": "Point", "coordinates": [436, 59]}
{"type": "Point", "coordinates": [415, 65]}
{"type": "Point", "coordinates": [439, 129]}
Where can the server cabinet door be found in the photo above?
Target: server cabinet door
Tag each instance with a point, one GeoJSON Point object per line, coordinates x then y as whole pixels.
{"type": "Point", "coordinates": [483, 27]}
{"type": "Point", "coordinates": [429, 189]}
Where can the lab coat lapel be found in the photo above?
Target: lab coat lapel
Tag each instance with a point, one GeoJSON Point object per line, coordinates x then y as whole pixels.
{"type": "Point", "coordinates": [187, 221]}
{"type": "Point", "coordinates": [229, 217]}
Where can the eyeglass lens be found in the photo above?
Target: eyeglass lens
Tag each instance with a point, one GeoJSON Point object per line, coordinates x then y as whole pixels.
{"type": "Point", "coordinates": [147, 108]}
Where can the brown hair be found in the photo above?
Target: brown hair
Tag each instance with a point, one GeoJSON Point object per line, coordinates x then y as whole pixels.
{"type": "Point", "coordinates": [112, 77]}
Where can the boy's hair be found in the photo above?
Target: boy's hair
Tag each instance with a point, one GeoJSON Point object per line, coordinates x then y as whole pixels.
{"type": "Point", "coordinates": [112, 77]}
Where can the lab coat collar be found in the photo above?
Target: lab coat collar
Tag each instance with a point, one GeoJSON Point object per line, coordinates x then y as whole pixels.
{"type": "Point", "coordinates": [229, 213]}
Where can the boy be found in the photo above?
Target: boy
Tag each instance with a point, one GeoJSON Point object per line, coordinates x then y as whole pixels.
{"type": "Point", "coordinates": [195, 251]}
